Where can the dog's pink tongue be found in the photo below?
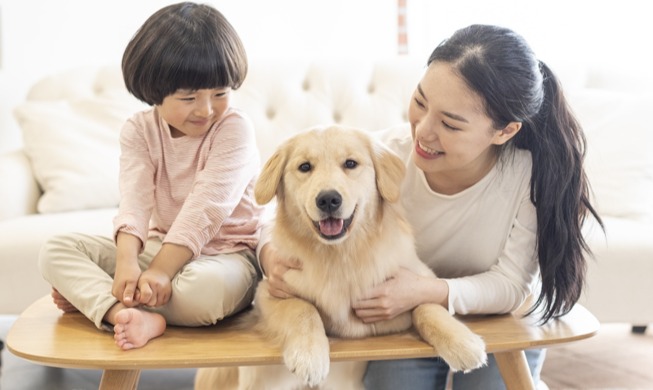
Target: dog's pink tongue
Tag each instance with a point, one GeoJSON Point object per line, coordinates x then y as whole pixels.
{"type": "Point", "coordinates": [331, 226]}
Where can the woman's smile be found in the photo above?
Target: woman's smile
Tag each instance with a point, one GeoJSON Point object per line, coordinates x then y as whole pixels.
{"type": "Point", "coordinates": [426, 152]}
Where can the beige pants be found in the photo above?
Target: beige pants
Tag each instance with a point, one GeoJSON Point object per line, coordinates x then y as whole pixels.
{"type": "Point", "coordinates": [204, 291]}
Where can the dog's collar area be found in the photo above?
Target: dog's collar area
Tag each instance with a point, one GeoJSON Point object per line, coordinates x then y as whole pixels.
{"type": "Point", "coordinates": [333, 228]}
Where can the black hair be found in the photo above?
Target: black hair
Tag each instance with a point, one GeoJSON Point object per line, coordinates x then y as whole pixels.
{"type": "Point", "coordinates": [183, 46]}
{"type": "Point", "coordinates": [515, 86]}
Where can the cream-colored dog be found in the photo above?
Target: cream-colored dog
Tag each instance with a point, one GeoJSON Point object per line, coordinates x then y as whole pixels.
{"type": "Point", "coordinates": [338, 212]}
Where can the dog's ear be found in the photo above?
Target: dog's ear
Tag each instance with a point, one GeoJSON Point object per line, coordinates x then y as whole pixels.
{"type": "Point", "coordinates": [389, 170]}
{"type": "Point", "coordinates": [270, 178]}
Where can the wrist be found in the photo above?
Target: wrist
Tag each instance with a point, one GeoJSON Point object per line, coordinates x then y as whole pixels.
{"type": "Point", "coordinates": [438, 292]}
{"type": "Point", "coordinates": [264, 256]}
{"type": "Point", "coordinates": [443, 293]}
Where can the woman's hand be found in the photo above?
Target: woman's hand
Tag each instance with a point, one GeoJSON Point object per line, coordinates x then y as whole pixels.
{"type": "Point", "coordinates": [274, 267]}
{"type": "Point", "coordinates": [399, 294]}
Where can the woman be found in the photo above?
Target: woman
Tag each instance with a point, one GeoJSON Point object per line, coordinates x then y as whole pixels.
{"type": "Point", "coordinates": [496, 193]}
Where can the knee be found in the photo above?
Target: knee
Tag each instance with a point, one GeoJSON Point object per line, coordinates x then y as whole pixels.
{"type": "Point", "coordinates": [207, 297]}
{"type": "Point", "coordinates": [48, 253]}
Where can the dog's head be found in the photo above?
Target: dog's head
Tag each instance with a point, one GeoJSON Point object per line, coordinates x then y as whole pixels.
{"type": "Point", "coordinates": [330, 179]}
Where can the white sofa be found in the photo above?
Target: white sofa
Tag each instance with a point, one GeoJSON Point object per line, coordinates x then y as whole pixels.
{"type": "Point", "coordinates": [65, 176]}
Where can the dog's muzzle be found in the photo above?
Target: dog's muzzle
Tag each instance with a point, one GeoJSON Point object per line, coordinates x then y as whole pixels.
{"type": "Point", "coordinates": [331, 227]}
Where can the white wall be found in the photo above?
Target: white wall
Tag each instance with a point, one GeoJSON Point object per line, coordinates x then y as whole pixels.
{"type": "Point", "coordinates": [615, 32]}
{"type": "Point", "coordinates": [39, 37]}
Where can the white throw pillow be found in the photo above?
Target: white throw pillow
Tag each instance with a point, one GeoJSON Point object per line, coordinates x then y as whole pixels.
{"type": "Point", "coordinates": [74, 150]}
{"type": "Point", "coordinates": [619, 161]}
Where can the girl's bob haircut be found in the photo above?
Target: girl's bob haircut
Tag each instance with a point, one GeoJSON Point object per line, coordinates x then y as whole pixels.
{"type": "Point", "coordinates": [183, 46]}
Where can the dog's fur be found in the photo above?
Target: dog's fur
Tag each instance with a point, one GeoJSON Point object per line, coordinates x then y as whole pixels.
{"type": "Point", "coordinates": [338, 212]}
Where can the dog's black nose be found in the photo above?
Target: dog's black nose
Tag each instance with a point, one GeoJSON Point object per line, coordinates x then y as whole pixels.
{"type": "Point", "coordinates": [328, 201]}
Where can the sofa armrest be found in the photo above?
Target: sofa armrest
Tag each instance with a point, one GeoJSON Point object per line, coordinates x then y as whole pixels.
{"type": "Point", "coordinates": [20, 191]}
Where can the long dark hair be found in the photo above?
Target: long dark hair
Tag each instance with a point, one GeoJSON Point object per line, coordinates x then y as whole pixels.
{"type": "Point", "coordinates": [499, 65]}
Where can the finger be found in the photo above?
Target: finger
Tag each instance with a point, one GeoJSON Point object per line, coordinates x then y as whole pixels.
{"type": "Point", "coordinates": [161, 299]}
{"type": "Point", "coordinates": [128, 294]}
{"type": "Point", "coordinates": [279, 293]}
{"type": "Point", "coordinates": [154, 298]}
{"type": "Point", "coordinates": [146, 293]}
{"type": "Point", "coordinates": [366, 303]}
{"type": "Point", "coordinates": [294, 263]}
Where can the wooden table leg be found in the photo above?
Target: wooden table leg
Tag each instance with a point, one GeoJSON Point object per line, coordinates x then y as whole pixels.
{"type": "Point", "coordinates": [514, 370]}
{"type": "Point", "coordinates": [119, 379]}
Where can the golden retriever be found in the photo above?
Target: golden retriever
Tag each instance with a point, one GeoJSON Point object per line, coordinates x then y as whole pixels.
{"type": "Point", "coordinates": [338, 212]}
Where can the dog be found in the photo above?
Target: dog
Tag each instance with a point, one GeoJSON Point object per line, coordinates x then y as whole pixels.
{"type": "Point", "coordinates": [337, 192]}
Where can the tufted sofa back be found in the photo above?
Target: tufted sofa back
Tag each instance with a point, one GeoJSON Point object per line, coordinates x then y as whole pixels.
{"type": "Point", "coordinates": [84, 109]}
{"type": "Point", "coordinates": [281, 97]}
{"type": "Point", "coordinates": [285, 97]}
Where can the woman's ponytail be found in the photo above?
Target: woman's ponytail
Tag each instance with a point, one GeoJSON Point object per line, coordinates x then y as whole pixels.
{"type": "Point", "coordinates": [560, 193]}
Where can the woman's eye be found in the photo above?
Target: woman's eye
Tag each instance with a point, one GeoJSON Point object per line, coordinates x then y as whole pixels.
{"type": "Point", "coordinates": [351, 164]}
{"type": "Point", "coordinates": [419, 104]}
{"type": "Point", "coordinates": [305, 167]}
{"type": "Point", "coordinates": [448, 126]}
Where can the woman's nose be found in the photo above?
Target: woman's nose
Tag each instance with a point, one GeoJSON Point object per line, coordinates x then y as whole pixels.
{"type": "Point", "coordinates": [425, 129]}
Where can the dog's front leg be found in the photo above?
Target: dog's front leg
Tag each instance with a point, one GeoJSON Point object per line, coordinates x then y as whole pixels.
{"type": "Point", "coordinates": [461, 348]}
{"type": "Point", "coordinates": [297, 325]}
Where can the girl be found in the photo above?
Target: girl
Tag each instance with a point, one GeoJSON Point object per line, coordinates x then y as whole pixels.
{"type": "Point", "coordinates": [495, 191]}
{"type": "Point", "coordinates": [182, 251]}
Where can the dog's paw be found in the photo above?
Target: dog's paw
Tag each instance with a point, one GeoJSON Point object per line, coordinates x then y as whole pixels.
{"type": "Point", "coordinates": [464, 353]}
{"type": "Point", "coordinates": [308, 359]}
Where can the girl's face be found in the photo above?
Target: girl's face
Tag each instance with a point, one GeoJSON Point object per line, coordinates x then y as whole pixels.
{"type": "Point", "coordinates": [192, 113]}
{"type": "Point", "coordinates": [454, 141]}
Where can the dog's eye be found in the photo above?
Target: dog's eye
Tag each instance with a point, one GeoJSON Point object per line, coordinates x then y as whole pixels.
{"type": "Point", "coordinates": [351, 164]}
{"type": "Point", "coordinates": [305, 167]}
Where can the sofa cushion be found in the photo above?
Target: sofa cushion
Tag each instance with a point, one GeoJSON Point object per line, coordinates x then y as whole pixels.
{"type": "Point", "coordinates": [74, 151]}
{"type": "Point", "coordinates": [619, 162]}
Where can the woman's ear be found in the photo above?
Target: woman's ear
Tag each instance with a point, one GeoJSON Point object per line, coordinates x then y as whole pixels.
{"type": "Point", "coordinates": [504, 135]}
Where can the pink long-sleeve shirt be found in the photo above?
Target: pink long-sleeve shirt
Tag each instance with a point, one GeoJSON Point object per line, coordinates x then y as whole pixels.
{"type": "Point", "coordinates": [191, 191]}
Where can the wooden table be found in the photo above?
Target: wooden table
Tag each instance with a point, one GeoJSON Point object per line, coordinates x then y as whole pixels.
{"type": "Point", "coordinates": [44, 335]}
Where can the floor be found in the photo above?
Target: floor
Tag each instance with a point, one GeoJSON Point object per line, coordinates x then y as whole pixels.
{"type": "Point", "coordinates": [614, 359]}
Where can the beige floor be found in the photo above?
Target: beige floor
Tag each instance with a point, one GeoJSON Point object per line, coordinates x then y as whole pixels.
{"type": "Point", "coordinates": [614, 359]}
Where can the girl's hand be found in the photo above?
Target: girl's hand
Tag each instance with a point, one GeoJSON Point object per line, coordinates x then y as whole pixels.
{"type": "Point", "coordinates": [274, 267]}
{"type": "Point", "coordinates": [125, 282]}
{"type": "Point", "coordinates": [399, 294]}
{"type": "Point", "coordinates": [155, 287]}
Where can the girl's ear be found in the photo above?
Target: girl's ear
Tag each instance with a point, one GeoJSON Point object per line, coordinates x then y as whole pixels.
{"type": "Point", "coordinates": [504, 135]}
{"type": "Point", "coordinates": [270, 178]}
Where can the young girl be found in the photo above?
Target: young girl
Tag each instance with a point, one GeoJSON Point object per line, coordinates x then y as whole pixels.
{"type": "Point", "coordinates": [182, 252]}
{"type": "Point", "coordinates": [495, 191]}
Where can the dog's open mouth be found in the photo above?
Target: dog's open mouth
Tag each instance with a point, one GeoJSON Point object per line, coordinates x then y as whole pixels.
{"type": "Point", "coordinates": [333, 228]}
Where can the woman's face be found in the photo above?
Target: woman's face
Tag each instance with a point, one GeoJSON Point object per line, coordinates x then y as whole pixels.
{"type": "Point", "coordinates": [453, 136]}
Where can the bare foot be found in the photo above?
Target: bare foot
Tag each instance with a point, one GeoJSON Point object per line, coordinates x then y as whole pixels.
{"type": "Point", "coordinates": [62, 303]}
{"type": "Point", "coordinates": [134, 327]}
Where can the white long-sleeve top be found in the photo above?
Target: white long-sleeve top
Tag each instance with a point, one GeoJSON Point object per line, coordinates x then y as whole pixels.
{"type": "Point", "coordinates": [191, 191]}
{"type": "Point", "coordinates": [482, 240]}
